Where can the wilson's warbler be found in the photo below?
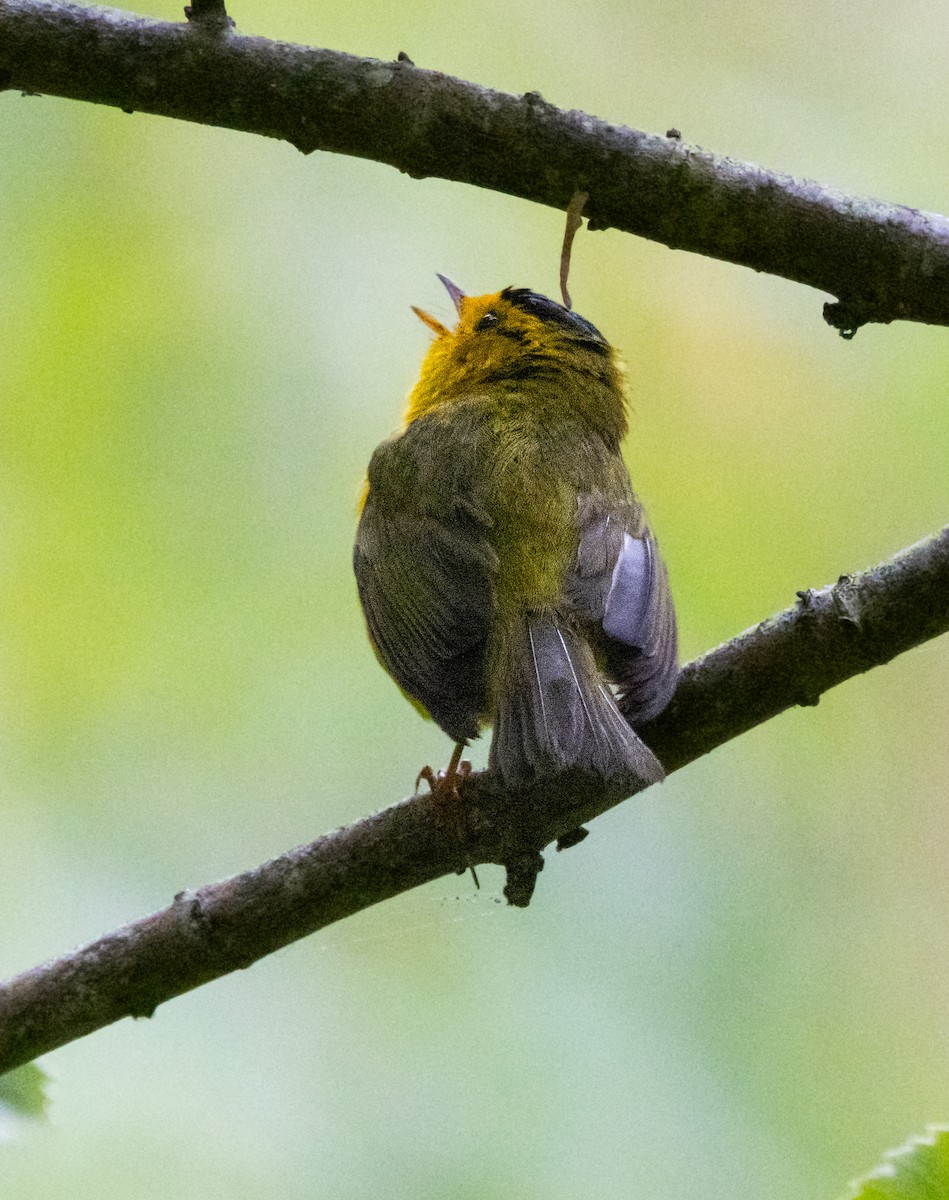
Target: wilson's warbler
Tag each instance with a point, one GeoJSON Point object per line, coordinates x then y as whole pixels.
{"type": "Point", "coordinates": [504, 566]}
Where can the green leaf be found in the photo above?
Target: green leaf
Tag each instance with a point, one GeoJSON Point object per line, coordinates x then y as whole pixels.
{"type": "Point", "coordinates": [23, 1092]}
{"type": "Point", "coordinates": [917, 1171]}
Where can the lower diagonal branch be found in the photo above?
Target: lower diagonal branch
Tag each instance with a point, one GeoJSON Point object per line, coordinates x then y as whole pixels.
{"type": "Point", "coordinates": [830, 635]}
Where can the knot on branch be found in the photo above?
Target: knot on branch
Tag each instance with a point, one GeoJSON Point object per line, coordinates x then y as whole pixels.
{"type": "Point", "coordinates": [209, 15]}
{"type": "Point", "coordinates": [846, 316]}
{"type": "Point", "coordinates": [522, 871]}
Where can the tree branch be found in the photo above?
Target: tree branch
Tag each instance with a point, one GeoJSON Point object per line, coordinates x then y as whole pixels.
{"type": "Point", "coordinates": [883, 261]}
{"type": "Point", "coordinates": [828, 636]}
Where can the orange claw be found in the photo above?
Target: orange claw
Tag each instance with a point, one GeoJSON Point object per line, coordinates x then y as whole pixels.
{"type": "Point", "coordinates": [446, 797]}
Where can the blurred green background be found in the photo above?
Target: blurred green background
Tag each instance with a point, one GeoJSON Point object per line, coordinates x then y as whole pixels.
{"type": "Point", "coordinates": [738, 985]}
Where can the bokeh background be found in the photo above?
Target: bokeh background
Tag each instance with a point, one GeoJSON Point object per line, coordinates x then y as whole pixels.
{"type": "Point", "coordinates": [739, 984]}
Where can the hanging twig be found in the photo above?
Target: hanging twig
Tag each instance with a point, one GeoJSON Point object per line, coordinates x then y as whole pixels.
{"type": "Point", "coordinates": [574, 221]}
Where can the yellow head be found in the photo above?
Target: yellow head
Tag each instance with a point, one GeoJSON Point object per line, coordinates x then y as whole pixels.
{"type": "Point", "coordinates": [517, 341]}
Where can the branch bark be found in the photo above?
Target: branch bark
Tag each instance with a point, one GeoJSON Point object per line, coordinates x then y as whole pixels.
{"type": "Point", "coordinates": [860, 622]}
{"type": "Point", "coordinates": [882, 261]}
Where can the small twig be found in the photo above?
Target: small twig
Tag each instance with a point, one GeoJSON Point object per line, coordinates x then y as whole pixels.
{"type": "Point", "coordinates": [574, 221]}
{"type": "Point", "coordinates": [209, 14]}
{"type": "Point", "coordinates": [828, 636]}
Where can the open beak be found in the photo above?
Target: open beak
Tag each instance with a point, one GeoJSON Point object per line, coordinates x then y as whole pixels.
{"type": "Point", "coordinates": [457, 295]}
{"type": "Point", "coordinates": [435, 326]}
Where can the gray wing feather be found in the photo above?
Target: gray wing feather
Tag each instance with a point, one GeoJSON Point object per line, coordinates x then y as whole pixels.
{"type": "Point", "coordinates": [620, 585]}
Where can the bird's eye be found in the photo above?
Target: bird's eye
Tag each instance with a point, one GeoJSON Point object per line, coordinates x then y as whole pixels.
{"type": "Point", "coordinates": [486, 322]}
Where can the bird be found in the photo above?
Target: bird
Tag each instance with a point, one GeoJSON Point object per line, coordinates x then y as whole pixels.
{"type": "Point", "coordinates": [505, 569]}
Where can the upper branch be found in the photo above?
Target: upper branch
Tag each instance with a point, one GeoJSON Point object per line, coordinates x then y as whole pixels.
{"type": "Point", "coordinates": [830, 635]}
{"type": "Point", "coordinates": [882, 261]}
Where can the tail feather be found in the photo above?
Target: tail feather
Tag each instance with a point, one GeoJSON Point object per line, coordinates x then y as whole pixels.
{"type": "Point", "coordinates": [555, 712]}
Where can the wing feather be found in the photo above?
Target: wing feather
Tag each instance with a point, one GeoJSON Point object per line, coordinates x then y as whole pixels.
{"type": "Point", "coordinates": [425, 573]}
{"type": "Point", "coordinates": [620, 586]}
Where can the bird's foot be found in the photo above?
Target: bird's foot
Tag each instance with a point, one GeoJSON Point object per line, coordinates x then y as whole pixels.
{"type": "Point", "coordinates": [446, 798]}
